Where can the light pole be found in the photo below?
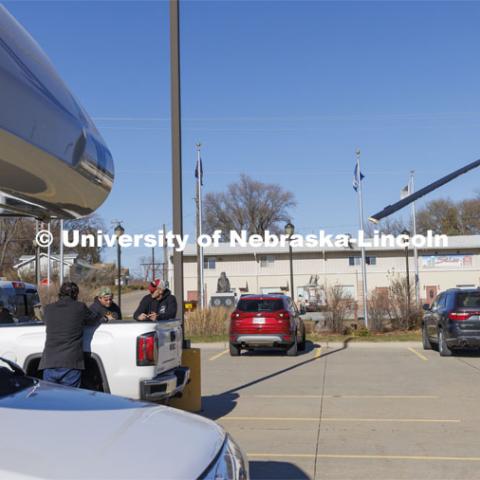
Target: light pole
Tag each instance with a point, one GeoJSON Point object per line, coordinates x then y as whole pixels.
{"type": "Point", "coordinates": [407, 234]}
{"type": "Point", "coordinates": [119, 231]}
{"type": "Point", "coordinates": [176, 132]}
{"type": "Point", "coordinates": [289, 231]}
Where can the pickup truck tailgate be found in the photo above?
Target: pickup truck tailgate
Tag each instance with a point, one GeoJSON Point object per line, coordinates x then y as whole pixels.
{"type": "Point", "coordinates": [169, 345]}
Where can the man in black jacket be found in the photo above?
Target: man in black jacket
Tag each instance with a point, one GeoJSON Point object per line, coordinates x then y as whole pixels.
{"type": "Point", "coordinates": [62, 360]}
{"type": "Point", "coordinates": [5, 315]}
{"type": "Point", "coordinates": [160, 304]}
{"type": "Point", "coordinates": [105, 307]}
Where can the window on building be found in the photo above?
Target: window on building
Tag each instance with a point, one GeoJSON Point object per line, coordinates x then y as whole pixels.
{"type": "Point", "coordinates": [209, 263]}
{"type": "Point", "coordinates": [354, 261]}
{"type": "Point", "coordinates": [266, 260]}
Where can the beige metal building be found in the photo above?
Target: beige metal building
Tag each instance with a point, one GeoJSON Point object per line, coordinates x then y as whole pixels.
{"type": "Point", "coordinates": [263, 270]}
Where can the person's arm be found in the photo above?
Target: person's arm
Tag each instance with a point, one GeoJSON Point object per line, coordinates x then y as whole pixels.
{"type": "Point", "coordinates": [140, 314]}
{"type": "Point", "coordinates": [170, 311]}
{"type": "Point", "coordinates": [91, 318]}
{"type": "Point", "coordinates": [101, 317]}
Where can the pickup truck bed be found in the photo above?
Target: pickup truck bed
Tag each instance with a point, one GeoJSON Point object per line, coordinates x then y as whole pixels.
{"type": "Point", "coordinates": [139, 360]}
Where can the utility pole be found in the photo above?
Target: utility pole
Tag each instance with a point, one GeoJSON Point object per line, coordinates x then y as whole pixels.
{"type": "Point", "coordinates": [62, 256]}
{"type": "Point", "coordinates": [411, 189]}
{"type": "Point", "coordinates": [407, 276]}
{"type": "Point", "coordinates": [49, 259]}
{"type": "Point", "coordinates": [364, 259]}
{"type": "Point", "coordinates": [198, 201]}
{"type": "Point", "coordinates": [177, 205]}
{"type": "Point", "coordinates": [37, 254]}
{"type": "Point", "coordinates": [153, 264]}
{"type": "Point", "coordinates": [165, 256]}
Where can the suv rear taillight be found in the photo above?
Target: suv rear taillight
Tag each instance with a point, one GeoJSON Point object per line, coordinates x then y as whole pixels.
{"type": "Point", "coordinates": [146, 349]}
{"type": "Point", "coordinates": [283, 315]}
{"type": "Point", "coordinates": [234, 315]}
{"type": "Point", "coordinates": [459, 316]}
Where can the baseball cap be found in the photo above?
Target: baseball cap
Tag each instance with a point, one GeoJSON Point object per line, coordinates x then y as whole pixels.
{"type": "Point", "coordinates": [155, 285]}
{"type": "Point", "coordinates": [104, 292]}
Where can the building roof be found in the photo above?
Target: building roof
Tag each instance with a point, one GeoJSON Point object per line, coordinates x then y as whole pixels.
{"type": "Point", "coordinates": [25, 259]}
{"type": "Point", "coordinates": [457, 242]}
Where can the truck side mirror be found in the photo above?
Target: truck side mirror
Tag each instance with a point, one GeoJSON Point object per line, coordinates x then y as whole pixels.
{"type": "Point", "coordinates": [426, 306]}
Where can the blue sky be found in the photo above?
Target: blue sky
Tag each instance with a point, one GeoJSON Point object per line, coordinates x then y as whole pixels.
{"type": "Point", "coordinates": [283, 91]}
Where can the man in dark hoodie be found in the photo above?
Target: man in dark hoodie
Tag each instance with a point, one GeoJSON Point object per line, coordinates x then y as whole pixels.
{"type": "Point", "coordinates": [105, 307]}
{"type": "Point", "coordinates": [159, 304]}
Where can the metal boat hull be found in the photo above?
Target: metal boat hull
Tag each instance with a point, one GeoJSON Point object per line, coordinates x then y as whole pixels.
{"type": "Point", "coordinates": [53, 161]}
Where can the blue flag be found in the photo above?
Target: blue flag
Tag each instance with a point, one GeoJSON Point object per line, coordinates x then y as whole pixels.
{"type": "Point", "coordinates": [357, 178]}
{"type": "Point", "coordinates": [199, 170]}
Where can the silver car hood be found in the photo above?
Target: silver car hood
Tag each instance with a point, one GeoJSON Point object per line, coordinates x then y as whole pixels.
{"type": "Point", "coordinates": [54, 432]}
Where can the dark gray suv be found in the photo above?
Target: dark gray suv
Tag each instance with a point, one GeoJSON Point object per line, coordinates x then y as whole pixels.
{"type": "Point", "coordinates": [452, 321]}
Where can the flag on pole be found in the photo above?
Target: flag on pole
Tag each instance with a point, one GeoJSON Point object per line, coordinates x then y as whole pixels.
{"type": "Point", "coordinates": [357, 177]}
{"type": "Point", "coordinates": [199, 170]}
{"type": "Point", "coordinates": [404, 192]}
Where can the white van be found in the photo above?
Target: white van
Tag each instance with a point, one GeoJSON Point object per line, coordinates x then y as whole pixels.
{"type": "Point", "coordinates": [19, 298]}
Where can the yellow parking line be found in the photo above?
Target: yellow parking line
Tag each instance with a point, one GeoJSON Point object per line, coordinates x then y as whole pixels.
{"type": "Point", "coordinates": [419, 355]}
{"type": "Point", "coordinates": [365, 457]}
{"type": "Point", "coordinates": [318, 352]}
{"type": "Point", "coordinates": [356, 397]}
{"type": "Point", "coordinates": [338, 419]}
{"type": "Point", "coordinates": [218, 355]}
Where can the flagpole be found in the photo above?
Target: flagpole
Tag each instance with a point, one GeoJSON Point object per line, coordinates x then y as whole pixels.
{"type": "Point", "coordinates": [200, 266]}
{"type": "Point", "coordinates": [411, 189]}
{"type": "Point", "coordinates": [364, 269]}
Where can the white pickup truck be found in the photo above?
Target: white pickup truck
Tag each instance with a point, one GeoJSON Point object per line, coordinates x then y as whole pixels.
{"type": "Point", "coordinates": [139, 360]}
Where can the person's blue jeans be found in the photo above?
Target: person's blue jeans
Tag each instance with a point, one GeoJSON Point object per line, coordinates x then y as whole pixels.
{"type": "Point", "coordinates": [69, 377]}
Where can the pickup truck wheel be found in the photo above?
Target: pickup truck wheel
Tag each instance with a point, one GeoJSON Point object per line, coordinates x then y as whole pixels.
{"type": "Point", "coordinates": [293, 350]}
{"type": "Point", "coordinates": [234, 350]}
{"type": "Point", "coordinates": [425, 340]}
{"type": "Point", "coordinates": [442, 345]}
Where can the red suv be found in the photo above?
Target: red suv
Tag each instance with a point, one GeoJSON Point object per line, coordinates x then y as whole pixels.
{"type": "Point", "coordinates": [266, 321]}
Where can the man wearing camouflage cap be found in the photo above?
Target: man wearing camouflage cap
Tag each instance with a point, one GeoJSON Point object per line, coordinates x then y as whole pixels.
{"type": "Point", "coordinates": [105, 307]}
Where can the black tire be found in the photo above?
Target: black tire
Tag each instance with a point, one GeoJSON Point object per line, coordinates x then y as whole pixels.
{"type": "Point", "coordinates": [425, 340]}
{"type": "Point", "coordinates": [442, 345]}
{"type": "Point", "coordinates": [234, 350]}
{"type": "Point", "coordinates": [303, 344]}
{"type": "Point", "coordinates": [293, 349]}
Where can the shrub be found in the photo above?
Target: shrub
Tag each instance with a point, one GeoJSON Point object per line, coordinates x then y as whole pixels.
{"type": "Point", "coordinates": [340, 305]}
{"type": "Point", "coordinates": [379, 309]}
{"type": "Point", "coordinates": [208, 322]}
{"type": "Point", "coordinates": [50, 295]}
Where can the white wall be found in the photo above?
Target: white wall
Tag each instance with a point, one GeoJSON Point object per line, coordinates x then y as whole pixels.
{"type": "Point", "coordinates": [242, 269]}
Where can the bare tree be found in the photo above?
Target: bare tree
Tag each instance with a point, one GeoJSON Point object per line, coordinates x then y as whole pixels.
{"type": "Point", "coordinates": [87, 225]}
{"type": "Point", "coordinates": [379, 309]}
{"type": "Point", "coordinates": [440, 216]}
{"type": "Point", "coordinates": [340, 304]}
{"type": "Point", "coordinates": [388, 226]}
{"type": "Point", "coordinates": [16, 238]}
{"type": "Point", "coordinates": [17, 235]}
{"type": "Point", "coordinates": [248, 205]}
{"type": "Point", "coordinates": [403, 315]}
{"type": "Point", "coordinates": [469, 213]}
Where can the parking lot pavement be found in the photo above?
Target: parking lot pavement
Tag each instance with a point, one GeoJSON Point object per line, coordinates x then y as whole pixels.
{"type": "Point", "coordinates": [344, 411]}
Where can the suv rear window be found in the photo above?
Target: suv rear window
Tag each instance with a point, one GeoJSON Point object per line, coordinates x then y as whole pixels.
{"type": "Point", "coordinates": [468, 299]}
{"type": "Point", "coordinates": [260, 305]}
